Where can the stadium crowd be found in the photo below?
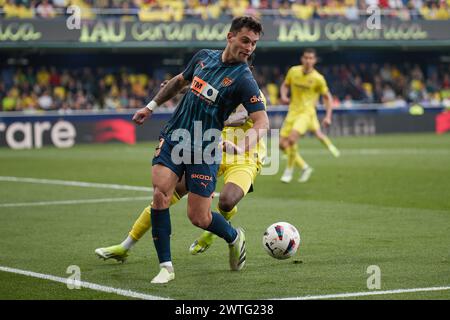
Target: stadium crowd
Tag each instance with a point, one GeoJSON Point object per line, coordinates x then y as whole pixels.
{"type": "Point", "coordinates": [31, 89]}
{"type": "Point", "coordinates": [176, 10]}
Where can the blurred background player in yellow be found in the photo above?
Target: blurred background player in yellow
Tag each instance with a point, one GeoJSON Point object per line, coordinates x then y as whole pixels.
{"type": "Point", "coordinates": [239, 173]}
{"type": "Point", "coordinates": [305, 85]}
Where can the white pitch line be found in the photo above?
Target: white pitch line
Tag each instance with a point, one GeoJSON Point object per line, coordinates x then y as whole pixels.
{"type": "Point", "coordinates": [382, 152]}
{"type": "Point", "coordinates": [363, 294]}
{"type": "Point", "coordinates": [80, 184]}
{"type": "Point", "coordinates": [88, 285]}
{"type": "Point", "coordinates": [70, 202]}
{"type": "Point", "coordinates": [140, 295]}
{"type": "Point", "coordinates": [76, 183]}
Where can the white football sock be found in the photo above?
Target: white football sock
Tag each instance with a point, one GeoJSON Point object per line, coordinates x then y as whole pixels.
{"type": "Point", "coordinates": [128, 243]}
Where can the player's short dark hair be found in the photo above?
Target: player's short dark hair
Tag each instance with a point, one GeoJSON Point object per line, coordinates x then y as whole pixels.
{"type": "Point", "coordinates": [246, 22]}
{"type": "Point", "coordinates": [310, 50]}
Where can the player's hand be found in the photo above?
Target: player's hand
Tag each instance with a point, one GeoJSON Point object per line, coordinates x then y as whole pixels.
{"type": "Point", "coordinates": [285, 100]}
{"type": "Point", "coordinates": [237, 119]}
{"type": "Point", "coordinates": [231, 148]}
{"type": "Point", "coordinates": [238, 122]}
{"type": "Point", "coordinates": [141, 115]}
{"type": "Point", "coordinates": [326, 122]}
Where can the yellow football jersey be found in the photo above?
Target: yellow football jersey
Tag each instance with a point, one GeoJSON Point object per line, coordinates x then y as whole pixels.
{"type": "Point", "coordinates": [305, 89]}
{"type": "Point", "coordinates": [255, 155]}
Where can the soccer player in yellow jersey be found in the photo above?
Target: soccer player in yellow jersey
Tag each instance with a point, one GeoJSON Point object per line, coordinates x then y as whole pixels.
{"type": "Point", "coordinates": [306, 85]}
{"type": "Point", "coordinates": [239, 173]}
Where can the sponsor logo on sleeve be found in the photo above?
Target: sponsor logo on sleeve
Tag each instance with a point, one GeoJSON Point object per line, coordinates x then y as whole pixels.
{"type": "Point", "coordinates": [256, 99]}
{"type": "Point", "coordinates": [204, 90]}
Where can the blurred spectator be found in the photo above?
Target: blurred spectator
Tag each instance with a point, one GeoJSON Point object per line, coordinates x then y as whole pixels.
{"type": "Point", "coordinates": [118, 88]}
{"type": "Point", "coordinates": [60, 3]}
{"type": "Point", "coordinates": [28, 102]}
{"type": "Point", "coordinates": [9, 102]}
{"type": "Point", "coordinates": [388, 94]}
{"type": "Point", "coordinates": [348, 102]}
{"type": "Point", "coordinates": [176, 10]}
{"type": "Point", "coordinates": [45, 101]}
{"type": "Point", "coordinates": [351, 13]}
{"type": "Point", "coordinates": [45, 10]}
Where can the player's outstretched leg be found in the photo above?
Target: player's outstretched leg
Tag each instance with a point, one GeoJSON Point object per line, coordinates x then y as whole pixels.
{"type": "Point", "coordinates": [207, 238]}
{"type": "Point", "coordinates": [237, 179]}
{"type": "Point", "coordinates": [327, 143]}
{"type": "Point", "coordinates": [200, 215]}
{"type": "Point", "coordinates": [121, 251]}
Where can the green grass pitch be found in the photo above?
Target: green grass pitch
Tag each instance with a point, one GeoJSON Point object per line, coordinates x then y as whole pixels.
{"type": "Point", "coordinates": [384, 202]}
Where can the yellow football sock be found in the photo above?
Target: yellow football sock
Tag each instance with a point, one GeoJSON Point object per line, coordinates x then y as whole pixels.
{"type": "Point", "coordinates": [330, 146]}
{"type": "Point", "coordinates": [143, 223]}
{"type": "Point", "coordinates": [228, 215]}
{"type": "Point", "coordinates": [175, 198]}
{"type": "Point", "coordinates": [299, 161]}
{"type": "Point", "coordinates": [291, 156]}
{"type": "Point", "coordinates": [326, 142]}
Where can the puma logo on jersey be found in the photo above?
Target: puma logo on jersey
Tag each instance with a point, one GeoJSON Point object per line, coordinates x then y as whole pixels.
{"type": "Point", "coordinates": [204, 184]}
{"type": "Point", "coordinates": [204, 90]}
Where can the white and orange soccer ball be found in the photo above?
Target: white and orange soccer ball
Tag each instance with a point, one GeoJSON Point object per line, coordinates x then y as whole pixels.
{"type": "Point", "coordinates": [281, 240]}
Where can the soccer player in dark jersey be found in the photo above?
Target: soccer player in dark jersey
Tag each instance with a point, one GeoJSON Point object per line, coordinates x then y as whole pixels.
{"type": "Point", "coordinates": [219, 81]}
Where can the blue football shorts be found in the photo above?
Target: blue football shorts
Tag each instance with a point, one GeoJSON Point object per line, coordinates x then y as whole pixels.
{"type": "Point", "coordinates": [200, 178]}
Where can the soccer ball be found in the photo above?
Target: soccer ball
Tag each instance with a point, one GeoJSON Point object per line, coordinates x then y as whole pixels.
{"type": "Point", "coordinates": [281, 240]}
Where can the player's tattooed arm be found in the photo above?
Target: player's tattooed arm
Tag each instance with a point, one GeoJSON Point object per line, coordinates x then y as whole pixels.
{"type": "Point", "coordinates": [182, 91]}
{"type": "Point", "coordinates": [170, 89]}
{"type": "Point", "coordinates": [166, 92]}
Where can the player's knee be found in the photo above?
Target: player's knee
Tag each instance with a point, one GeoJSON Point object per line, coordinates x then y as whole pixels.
{"type": "Point", "coordinates": [292, 140]}
{"type": "Point", "coordinates": [226, 202]}
{"type": "Point", "coordinates": [198, 217]}
{"type": "Point", "coordinates": [161, 200]}
{"type": "Point", "coordinates": [283, 145]}
{"type": "Point", "coordinates": [200, 221]}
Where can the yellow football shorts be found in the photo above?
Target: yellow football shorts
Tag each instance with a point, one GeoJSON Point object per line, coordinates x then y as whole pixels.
{"type": "Point", "coordinates": [242, 175]}
{"type": "Point", "coordinates": [301, 123]}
